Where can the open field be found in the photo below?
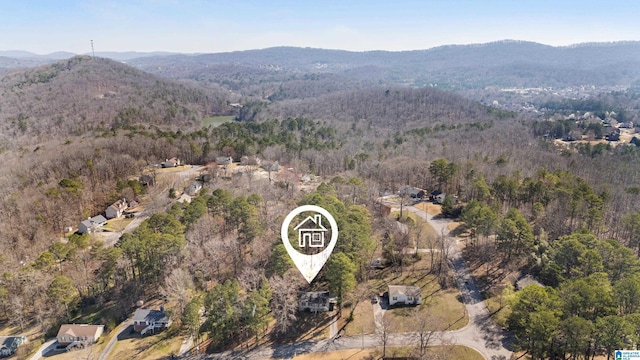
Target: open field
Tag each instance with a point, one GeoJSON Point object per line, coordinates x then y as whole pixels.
{"type": "Point", "coordinates": [216, 121]}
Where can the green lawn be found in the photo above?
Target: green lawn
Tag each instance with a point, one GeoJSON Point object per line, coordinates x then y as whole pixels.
{"type": "Point", "coordinates": [216, 121]}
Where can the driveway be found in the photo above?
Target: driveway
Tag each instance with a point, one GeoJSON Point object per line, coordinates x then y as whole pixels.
{"type": "Point", "coordinates": [122, 328]}
{"type": "Point", "coordinates": [49, 345]}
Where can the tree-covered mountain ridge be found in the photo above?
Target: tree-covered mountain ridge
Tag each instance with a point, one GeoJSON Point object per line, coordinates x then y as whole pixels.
{"type": "Point", "coordinates": [501, 63]}
{"type": "Point", "coordinates": [71, 97]}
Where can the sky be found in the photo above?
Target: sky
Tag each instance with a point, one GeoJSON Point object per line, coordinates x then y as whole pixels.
{"type": "Point", "coordinates": [209, 26]}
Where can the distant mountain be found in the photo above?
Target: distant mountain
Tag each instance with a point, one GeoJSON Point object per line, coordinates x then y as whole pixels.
{"type": "Point", "coordinates": [83, 94]}
{"type": "Point", "coordinates": [503, 63]}
{"type": "Point", "coordinates": [24, 59]}
{"type": "Point", "coordinates": [128, 55]}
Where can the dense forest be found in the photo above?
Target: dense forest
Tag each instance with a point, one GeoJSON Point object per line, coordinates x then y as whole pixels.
{"type": "Point", "coordinates": [77, 134]}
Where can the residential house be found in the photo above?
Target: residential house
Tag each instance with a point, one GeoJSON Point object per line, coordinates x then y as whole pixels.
{"type": "Point", "coordinates": [116, 209]}
{"type": "Point", "coordinates": [412, 192]}
{"type": "Point", "coordinates": [145, 320]}
{"type": "Point", "coordinates": [147, 180]}
{"type": "Point", "coordinates": [169, 163]}
{"type": "Point", "coordinates": [311, 232]}
{"type": "Point", "coordinates": [224, 160]}
{"type": "Point", "coordinates": [9, 344]}
{"type": "Point", "coordinates": [193, 188]}
{"type": "Point", "coordinates": [404, 295]}
{"type": "Point", "coordinates": [92, 224]}
{"type": "Point", "coordinates": [78, 335]}
{"type": "Point", "coordinates": [315, 301]}
{"type": "Point", "coordinates": [437, 196]}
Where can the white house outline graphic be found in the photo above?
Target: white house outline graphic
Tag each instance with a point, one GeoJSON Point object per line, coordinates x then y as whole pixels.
{"type": "Point", "coordinates": [313, 233]}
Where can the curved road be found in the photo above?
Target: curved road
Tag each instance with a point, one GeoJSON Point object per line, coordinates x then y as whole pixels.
{"type": "Point", "coordinates": [481, 334]}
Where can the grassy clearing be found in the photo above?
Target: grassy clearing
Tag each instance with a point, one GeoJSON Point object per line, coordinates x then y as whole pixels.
{"type": "Point", "coordinates": [151, 347]}
{"type": "Point", "coordinates": [216, 121]}
{"type": "Point", "coordinates": [430, 208]}
{"type": "Point", "coordinates": [427, 233]}
{"type": "Point", "coordinates": [453, 352]}
{"type": "Point", "coordinates": [445, 305]}
{"type": "Point", "coordinates": [118, 224]}
{"type": "Point", "coordinates": [499, 307]}
{"type": "Point", "coordinates": [362, 320]}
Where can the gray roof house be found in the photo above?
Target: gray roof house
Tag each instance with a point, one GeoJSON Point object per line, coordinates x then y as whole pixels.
{"type": "Point", "coordinates": [224, 160]}
{"type": "Point", "coordinates": [91, 224]}
{"type": "Point", "coordinates": [9, 344]}
{"type": "Point", "coordinates": [145, 320]}
{"type": "Point", "coordinates": [315, 301]}
{"type": "Point", "coordinates": [193, 188]}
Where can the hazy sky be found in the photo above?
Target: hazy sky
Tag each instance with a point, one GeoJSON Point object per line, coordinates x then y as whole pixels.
{"type": "Point", "coordinates": [44, 26]}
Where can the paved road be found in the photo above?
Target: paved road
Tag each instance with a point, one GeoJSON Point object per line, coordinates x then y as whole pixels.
{"type": "Point", "coordinates": [481, 334]}
{"type": "Point", "coordinates": [119, 330]}
{"type": "Point", "coordinates": [44, 349]}
{"type": "Point", "coordinates": [186, 345]}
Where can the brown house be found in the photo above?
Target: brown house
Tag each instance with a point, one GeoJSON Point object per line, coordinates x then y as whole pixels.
{"type": "Point", "coordinates": [71, 335]}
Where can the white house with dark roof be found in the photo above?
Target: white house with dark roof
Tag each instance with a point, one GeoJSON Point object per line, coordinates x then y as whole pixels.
{"type": "Point", "coordinates": [9, 344]}
{"type": "Point", "coordinates": [145, 320]}
{"type": "Point", "coordinates": [315, 301]}
{"type": "Point", "coordinates": [404, 295]}
{"type": "Point", "coordinates": [311, 232]}
{"type": "Point", "coordinates": [92, 224]}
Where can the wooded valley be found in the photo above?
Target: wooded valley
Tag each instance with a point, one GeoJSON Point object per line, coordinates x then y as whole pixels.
{"type": "Point", "coordinates": [78, 134]}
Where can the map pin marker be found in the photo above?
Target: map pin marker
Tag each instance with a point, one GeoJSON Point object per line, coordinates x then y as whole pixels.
{"type": "Point", "coordinates": [311, 234]}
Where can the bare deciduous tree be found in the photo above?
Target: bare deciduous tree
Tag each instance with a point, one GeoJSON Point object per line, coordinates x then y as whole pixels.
{"type": "Point", "coordinates": [177, 287]}
{"type": "Point", "coordinates": [285, 300]}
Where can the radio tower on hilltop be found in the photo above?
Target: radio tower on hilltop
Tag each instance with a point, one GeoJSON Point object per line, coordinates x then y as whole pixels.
{"type": "Point", "coordinates": [93, 53]}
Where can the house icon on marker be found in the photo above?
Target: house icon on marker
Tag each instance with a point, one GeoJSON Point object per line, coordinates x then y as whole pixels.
{"type": "Point", "coordinates": [311, 232]}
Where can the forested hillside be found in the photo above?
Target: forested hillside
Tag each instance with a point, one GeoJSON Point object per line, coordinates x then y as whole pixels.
{"type": "Point", "coordinates": [76, 96]}
{"type": "Point", "coordinates": [77, 135]}
{"type": "Point", "coordinates": [502, 63]}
